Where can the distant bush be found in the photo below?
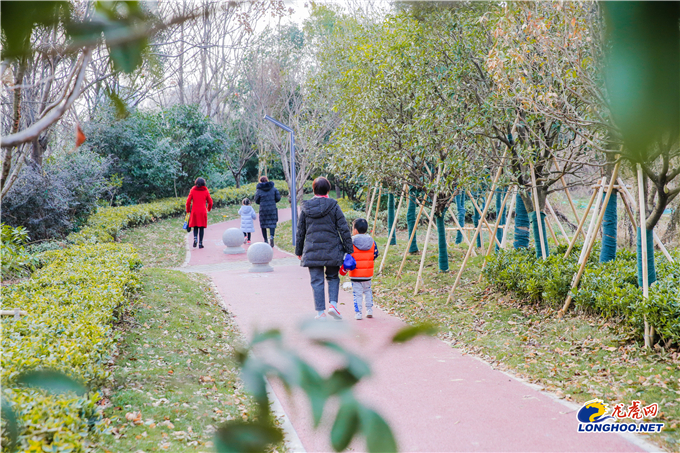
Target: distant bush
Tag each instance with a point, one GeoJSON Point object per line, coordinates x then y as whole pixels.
{"type": "Point", "coordinates": [53, 200]}
{"type": "Point", "coordinates": [158, 154]}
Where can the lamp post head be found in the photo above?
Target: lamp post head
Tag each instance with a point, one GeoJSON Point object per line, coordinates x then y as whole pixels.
{"type": "Point", "coordinates": [278, 123]}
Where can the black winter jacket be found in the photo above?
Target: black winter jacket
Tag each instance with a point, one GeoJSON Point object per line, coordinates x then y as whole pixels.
{"type": "Point", "coordinates": [267, 196]}
{"type": "Point", "coordinates": [323, 236]}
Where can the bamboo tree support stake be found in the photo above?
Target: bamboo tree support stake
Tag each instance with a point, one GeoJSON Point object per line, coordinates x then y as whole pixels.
{"type": "Point", "coordinates": [643, 245]}
{"type": "Point", "coordinates": [370, 202]}
{"type": "Point", "coordinates": [589, 245]}
{"type": "Point", "coordinates": [495, 229]}
{"type": "Point", "coordinates": [537, 210]}
{"type": "Point", "coordinates": [478, 229]}
{"type": "Point", "coordinates": [592, 231]}
{"type": "Point", "coordinates": [568, 194]}
{"type": "Point", "coordinates": [465, 236]}
{"type": "Point", "coordinates": [377, 209]}
{"type": "Point", "coordinates": [581, 223]}
{"type": "Point", "coordinates": [552, 211]}
{"type": "Point", "coordinates": [429, 229]}
{"type": "Point", "coordinates": [507, 224]}
{"type": "Point", "coordinates": [413, 234]}
{"type": "Point", "coordinates": [393, 230]}
{"type": "Point", "coordinates": [657, 239]}
{"type": "Point", "coordinates": [488, 227]}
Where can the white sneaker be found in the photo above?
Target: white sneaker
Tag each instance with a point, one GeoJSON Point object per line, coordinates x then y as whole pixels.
{"type": "Point", "coordinates": [357, 316]}
{"type": "Point", "coordinates": [369, 312]}
{"type": "Point", "coordinates": [321, 317]}
{"type": "Point", "coordinates": [334, 312]}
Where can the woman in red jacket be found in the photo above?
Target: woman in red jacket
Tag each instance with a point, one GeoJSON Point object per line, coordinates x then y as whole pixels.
{"type": "Point", "coordinates": [199, 195]}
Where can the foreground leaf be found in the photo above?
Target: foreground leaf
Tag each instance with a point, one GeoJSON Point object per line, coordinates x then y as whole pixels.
{"type": "Point", "coordinates": [244, 437]}
{"type": "Point", "coordinates": [379, 437]}
{"type": "Point", "coordinates": [346, 425]}
{"type": "Point", "coordinates": [410, 332]}
{"type": "Point", "coordinates": [52, 381]}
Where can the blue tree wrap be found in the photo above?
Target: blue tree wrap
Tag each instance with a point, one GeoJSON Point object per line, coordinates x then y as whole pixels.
{"type": "Point", "coordinates": [537, 240]}
{"type": "Point", "coordinates": [390, 219]}
{"type": "Point", "coordinates": [521, 225]}
{"type": "Point", "coordinates": [476, 217]}
{"type": "Point", "coordinates": [500, 194]}
{"type": "Point", "coordinates": [411, 219]}
{"type": "Point", "coordinates": [609, 227]}
{"type": "Point", "coordinates": [651, 271]}
{"type": "Point", "coordinates": [460, 210]}
{"type": "Point", "coordinates": [441, 236]}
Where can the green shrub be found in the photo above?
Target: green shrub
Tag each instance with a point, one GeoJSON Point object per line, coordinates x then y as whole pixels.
{"type": "Point", "coordinates": [16, 261]}
{"type": "Point", "coordinates": [663, 306]}
{"type": "Point", "coordinates": [607, 289]}
{"type": "Point", "coordinates": [71, 303]}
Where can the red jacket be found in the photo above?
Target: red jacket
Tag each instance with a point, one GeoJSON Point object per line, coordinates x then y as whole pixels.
{"type": "Point", "coordinates": [199, 214]}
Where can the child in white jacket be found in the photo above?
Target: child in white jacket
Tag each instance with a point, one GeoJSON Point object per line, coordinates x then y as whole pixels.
{"type": "Point", "coordinates": [247, 214]}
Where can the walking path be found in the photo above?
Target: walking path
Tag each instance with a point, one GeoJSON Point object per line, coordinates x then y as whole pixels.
{"type": "Point", "coordinates": [434, 397]}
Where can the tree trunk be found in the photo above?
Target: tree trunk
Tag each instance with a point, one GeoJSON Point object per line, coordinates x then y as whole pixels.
{"type": "Point", "coordinates": [610, 226]}
{"type": "Point", "coordinates": [390, 217]}
{"type": "Point", "coordinates": [610, 222]}
{"type": "Point", "coordinates": [671, 230]}
{"type": "Point", "coordinates": [500, 194]}
{"type": "Point", "coordinates": [460, 212]}
{"type": "Point", "coordinates": [521, 223]}
{"type": "Point", "coordinates": [651, 271]}
{"type": "Point", "coordinates": [411, 220]}
{"type": "Point", "coordinates": [39, 145]}
{"type": "Point", "coordinates": [443, 250]}
{"type": "Point", "coordinates": [533, 219]}
{"type": "Point", "coordinates": [16, 121]}
{"type": "Point", "coordinates": [476, 217]}
{"type": "Point", "coordinates": [180, 71]}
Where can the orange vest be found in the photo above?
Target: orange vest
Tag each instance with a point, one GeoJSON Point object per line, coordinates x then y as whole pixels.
{"type": "Point", "coordinates": [364, 259]}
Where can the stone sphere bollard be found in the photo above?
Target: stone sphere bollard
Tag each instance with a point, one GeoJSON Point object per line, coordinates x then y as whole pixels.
{"type": "Point", "coordinates": [233, 238]}
{"type": "Point", "coordinates": [260, 255]}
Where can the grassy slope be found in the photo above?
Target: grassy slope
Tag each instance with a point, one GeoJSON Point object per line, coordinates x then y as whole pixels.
{"type": "Point", "coordinates": [174, 367]}
{"type": "Point", "coordinates": [578, 358]}
{"type": "Point", "coordinates": [175, 363]}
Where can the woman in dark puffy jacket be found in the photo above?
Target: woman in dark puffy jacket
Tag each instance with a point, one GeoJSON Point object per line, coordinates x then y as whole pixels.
{"type": "Point", "coordinates": [267, 196]}
{"type": "Point", "coordinates": [322, 239]}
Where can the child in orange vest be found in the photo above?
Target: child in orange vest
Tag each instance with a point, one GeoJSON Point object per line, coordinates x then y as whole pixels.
{"type": "Point", "coordinates": [365, 253]}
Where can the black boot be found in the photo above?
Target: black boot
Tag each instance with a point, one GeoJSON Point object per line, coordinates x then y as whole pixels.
{"type": "Point", "coordinates": [195, 242]}
{"type": "Point", "coordinates": [200, 246]}
{"type": "Point", "coordinates": [271, 242]}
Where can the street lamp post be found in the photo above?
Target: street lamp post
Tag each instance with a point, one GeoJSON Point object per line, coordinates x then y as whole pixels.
{"type": "Point", "coordinates": [293, 190]}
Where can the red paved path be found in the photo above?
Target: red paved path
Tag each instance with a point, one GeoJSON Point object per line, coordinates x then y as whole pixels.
{"type": "Point", "coordinates": [434, 397]}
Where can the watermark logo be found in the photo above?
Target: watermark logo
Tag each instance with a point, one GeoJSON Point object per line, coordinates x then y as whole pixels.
{"type": "Point", "coordinates": [594, 412]}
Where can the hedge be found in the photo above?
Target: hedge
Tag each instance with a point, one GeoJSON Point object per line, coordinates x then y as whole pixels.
{"type": "Point", "coordinates": [607, 289]}
{"type": "Point", "coordinates": [71, 303]}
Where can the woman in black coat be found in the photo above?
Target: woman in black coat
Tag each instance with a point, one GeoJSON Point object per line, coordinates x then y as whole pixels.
{"type": "Point", "coordinates": [267, 196]}
{"type": "Point", "coordinates": [322, 239]}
